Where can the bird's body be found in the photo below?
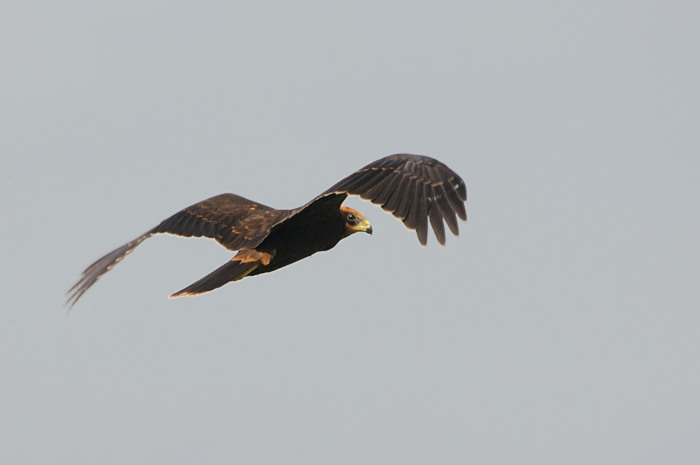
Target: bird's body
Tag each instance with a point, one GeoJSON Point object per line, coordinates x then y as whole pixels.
{"type": "Point", "coordinates": [415, 189]}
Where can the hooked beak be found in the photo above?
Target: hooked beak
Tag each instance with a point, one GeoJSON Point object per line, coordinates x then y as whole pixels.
{"type": "Point", "coordinates": [364, 227]}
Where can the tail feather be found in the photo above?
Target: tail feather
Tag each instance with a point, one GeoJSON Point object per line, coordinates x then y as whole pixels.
{"type": "Point", "coordinates": [238, 267]}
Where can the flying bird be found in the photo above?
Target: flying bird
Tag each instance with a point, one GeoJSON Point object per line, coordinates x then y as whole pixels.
{"type": "Point", "coordinates": [415, 189]}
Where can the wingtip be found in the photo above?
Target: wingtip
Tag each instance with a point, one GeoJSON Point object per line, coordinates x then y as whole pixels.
{"type": "Point", "coordinates": [72, 297]}
{"type": "Point", "coordinates": [67, 308]}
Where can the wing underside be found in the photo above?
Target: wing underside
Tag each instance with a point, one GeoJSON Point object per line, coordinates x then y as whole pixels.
{"type": "Point", "coordinates": [417, 190]}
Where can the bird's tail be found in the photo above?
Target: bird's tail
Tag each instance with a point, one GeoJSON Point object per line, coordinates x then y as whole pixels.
{"type": "Point", "coordinates": [240, 266]}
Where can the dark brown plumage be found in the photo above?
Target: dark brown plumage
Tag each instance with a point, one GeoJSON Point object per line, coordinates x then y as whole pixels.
{"type": "Point", "coordinates": [416, 189]}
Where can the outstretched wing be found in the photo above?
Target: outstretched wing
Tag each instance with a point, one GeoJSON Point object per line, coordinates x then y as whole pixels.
{"type": "Point", "coordinates": [414, 188]}
{"type": "Point", "coordinates": [234, 221]}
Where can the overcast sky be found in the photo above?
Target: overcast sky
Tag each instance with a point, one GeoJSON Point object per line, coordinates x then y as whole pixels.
{"type": "Point", "coordinates": [561, 326]}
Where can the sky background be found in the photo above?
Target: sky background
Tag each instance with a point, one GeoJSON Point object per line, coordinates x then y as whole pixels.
{"type": "Point", "coordinates": [561, 326]}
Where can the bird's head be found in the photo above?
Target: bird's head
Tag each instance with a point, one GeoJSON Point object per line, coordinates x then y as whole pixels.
{"type": "Point", "coordinates": [355, 221]}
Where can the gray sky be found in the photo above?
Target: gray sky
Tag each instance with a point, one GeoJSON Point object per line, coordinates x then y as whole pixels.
{"type": "Point", "coordinates": [560, 327]}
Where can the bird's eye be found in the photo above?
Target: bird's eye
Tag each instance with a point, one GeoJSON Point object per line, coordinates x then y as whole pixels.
{"type": "Point", "coordinates": [351, 218]}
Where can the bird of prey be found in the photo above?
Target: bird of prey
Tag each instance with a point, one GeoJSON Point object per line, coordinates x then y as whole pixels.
{"type": "Point", "coordinates": [416, 189]}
